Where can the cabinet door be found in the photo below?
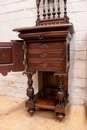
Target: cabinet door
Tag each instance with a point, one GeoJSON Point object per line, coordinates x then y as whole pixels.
{"type": "Point", "coordinates": [11, 56]}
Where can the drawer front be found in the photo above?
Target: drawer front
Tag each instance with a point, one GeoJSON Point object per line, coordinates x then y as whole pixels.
{"type": "Point", "coordinates": [43, 35]}
{"type": "Point", "coordinates": [45, 65]}
{"type": "Point", "coordinates": [56, 46]}
{"type": "Point", "coordinates": [46, 55]}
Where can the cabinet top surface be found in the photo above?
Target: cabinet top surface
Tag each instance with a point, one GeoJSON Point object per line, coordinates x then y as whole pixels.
{"type": "Point", "coordinates": [69, 25]}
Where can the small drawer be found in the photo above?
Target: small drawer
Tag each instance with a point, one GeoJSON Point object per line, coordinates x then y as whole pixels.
{"type": "Point", "coordinates": [45, 65]}
{"type": "Point", "coordinates": [43, 35]}
{"type": "Point", "coordinates": [46, 55]}
{"type": "Point", "coordinates": [54, 46]}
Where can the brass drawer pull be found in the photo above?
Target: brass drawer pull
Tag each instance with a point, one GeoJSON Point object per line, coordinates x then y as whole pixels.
{"type": "Point", "coordinates": [40, 36]}
{"type": "Point", "coordinates": [44, 64]}
{"type": "Point", "coordinates": [43, 46]}
{"type": "Point", "coordinates": [43, 55]}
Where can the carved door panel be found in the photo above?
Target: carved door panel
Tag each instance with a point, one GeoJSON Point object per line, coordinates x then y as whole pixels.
{"type": "Point", "coordinates": [11, 56]}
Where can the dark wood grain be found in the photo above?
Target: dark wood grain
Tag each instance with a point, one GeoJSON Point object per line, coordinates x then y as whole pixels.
{"type": "Point", "coordinates": [11, 56]}
{"type": "Point", "coordinates": [48, 52]}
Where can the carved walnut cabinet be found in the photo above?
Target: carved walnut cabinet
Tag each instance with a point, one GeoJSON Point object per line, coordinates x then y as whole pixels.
{"type": "Point", "coordinates": [47, 51]}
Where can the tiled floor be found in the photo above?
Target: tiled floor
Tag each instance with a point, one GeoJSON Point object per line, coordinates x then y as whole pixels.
{"type": "Point", "coordinates": [14, 116]}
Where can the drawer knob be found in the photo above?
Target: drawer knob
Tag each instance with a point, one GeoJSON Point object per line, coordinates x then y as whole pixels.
{"type": "Point", "coordinates": [40, 36]}
{"type": "Point", "coordinates": [44, 64]}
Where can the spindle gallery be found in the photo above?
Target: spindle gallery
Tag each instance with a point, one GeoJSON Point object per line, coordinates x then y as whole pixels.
{"type": "Point", "coordinates": [47, 13]}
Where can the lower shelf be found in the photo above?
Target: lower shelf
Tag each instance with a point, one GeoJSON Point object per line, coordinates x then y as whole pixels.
{"type": "Point", "coordinates": [45, 101]}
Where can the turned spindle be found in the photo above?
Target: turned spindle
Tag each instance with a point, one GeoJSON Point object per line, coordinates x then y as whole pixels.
{"type": "Point", "coordinates": [44, 14]}
{"type": "Point", "coordinates": [49, 9]}
{"type": "Point", "coordinates": [53, 10]}
{"type": "Point", "coordinates": [58, 9]}
{"type": "Point", "coordinates": [65, 8]}
{"type": "Point", "coordinates": [38, 4]}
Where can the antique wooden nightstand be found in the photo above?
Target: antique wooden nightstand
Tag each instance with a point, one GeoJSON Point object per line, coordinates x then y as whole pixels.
{"type": "Point", "coordinates": [47, 51]}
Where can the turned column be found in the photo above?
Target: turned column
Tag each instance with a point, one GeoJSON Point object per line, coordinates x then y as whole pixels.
{"type": "Point", "coordinates": [62, 95]}
{"type": "Point", "coordinates": [30, 93]}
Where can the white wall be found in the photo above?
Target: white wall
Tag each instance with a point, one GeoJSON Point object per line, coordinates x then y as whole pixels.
{"type": "Point", "coordinates": [22, 13]}
{"type": "Point", "coordinates": [78, 71]}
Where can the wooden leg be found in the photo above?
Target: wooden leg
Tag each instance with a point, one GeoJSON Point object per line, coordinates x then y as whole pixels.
{"type": "Point", "coordinates": [60, 116]}
{"type": "Point", "coordinates": [30, 93]}
{"type": "Point", "coordinates": [31, 111]}
{"type": "Point", "coordinates": [61, 98]}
